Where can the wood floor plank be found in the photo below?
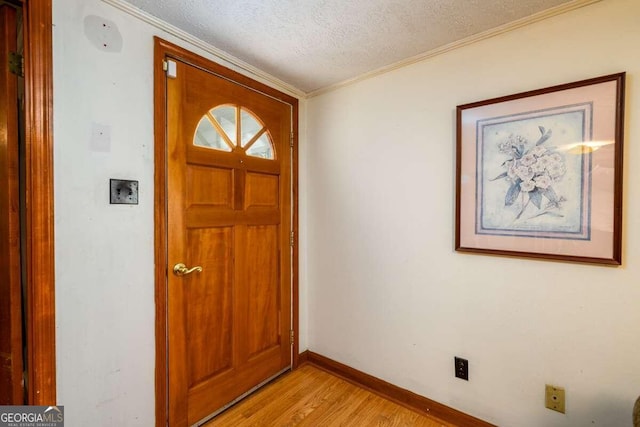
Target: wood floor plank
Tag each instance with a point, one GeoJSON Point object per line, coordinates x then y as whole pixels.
{"type": "Point", "coordinates": [308, 404]}
{"type": "Point", "coordinates": [262, 404]}
{"type": "Point", "coordinates": [312, 397]}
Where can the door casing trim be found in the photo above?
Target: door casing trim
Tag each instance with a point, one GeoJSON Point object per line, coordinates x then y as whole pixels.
{"type": "Point", "coordinates": [39, 233]}
{"type": "Point", "coordinates": [162, 50]}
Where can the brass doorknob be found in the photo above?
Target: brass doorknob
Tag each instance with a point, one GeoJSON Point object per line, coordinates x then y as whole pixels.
{"type": "Point", "coordinates": [181, 270]}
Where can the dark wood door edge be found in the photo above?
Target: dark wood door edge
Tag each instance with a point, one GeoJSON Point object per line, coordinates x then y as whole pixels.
{"type": "Point", "coordinates": [392, 392]}
{"type": "Point", "coordinates": [164, 49]}
{"type": "Point", "coordinates": [40, 304]}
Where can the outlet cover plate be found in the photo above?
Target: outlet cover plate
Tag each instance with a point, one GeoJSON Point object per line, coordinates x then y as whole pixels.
{"type": "Point", "coordinates": [123, 192]}
{"type": "Point", "coordinates": [461, 368]}
{"type": "Point", "coordinates": [554, 398]}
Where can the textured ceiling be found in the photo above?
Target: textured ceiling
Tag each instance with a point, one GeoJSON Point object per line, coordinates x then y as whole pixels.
{"type": "Point", "coordinates": [312, 44]}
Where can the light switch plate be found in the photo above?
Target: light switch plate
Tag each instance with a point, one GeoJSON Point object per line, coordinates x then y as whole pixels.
{"type": "Point", "coordinates": [123, 192]}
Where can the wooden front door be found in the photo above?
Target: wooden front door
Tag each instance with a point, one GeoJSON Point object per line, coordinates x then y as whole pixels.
{"type": "Point", "coordinates": [11, 391]}
{"type": "Point", "coordinates": [228, 230]}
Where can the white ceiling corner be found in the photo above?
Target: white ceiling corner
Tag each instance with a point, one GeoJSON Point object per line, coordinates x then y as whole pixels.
{"type": "Point", "coordinates": [307, 46]}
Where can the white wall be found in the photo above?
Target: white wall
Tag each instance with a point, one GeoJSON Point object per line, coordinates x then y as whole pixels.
{"type": "Point", "coordinates": [104, 254]}
{"type": "Point", "coordinates": [388, 294]}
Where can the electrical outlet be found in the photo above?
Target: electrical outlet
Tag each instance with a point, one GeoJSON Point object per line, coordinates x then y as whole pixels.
{"type": "Point", "coordinates": [554, 398]}
{"type": "Point", "coordinates": [462, 368]}
{"type": "Point", "coordinates": [123, 192]}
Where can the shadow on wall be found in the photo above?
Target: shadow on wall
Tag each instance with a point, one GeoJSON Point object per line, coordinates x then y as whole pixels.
{"type": "Point", "coordinates": [604, 410]}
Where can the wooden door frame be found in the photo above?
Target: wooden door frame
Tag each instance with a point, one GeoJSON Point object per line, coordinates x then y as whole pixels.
{"type": "Point", "coordinates": [162, 50]}
{"type": "Point", "coordinates": [11, 295]}
{"type": "Point", "coordinates": [39, 233]}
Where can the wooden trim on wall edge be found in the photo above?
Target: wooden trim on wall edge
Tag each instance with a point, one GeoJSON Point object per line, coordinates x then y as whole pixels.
{"type": "Point", "coordinates": [39, 233]}
{"type": "Point", "coordinates": [392, 392]}
{"type": "Point", "coordinates": [160, 239]}
{"type": "Point", "coordinates": [162, 49]}
{"type": "Point", "coordinates": [295, 263]}
{"type": "Point", "coordinates": [303, 358]}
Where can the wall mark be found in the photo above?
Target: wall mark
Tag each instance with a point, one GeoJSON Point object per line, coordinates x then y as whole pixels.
{"type": "Point", "coordinates": [102, 33]}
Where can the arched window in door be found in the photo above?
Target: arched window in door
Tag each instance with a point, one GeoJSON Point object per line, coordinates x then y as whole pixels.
{"type": "Point", "coordinates": [234, 128]}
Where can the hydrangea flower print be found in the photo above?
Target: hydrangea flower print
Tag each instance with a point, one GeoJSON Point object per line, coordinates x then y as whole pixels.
{"type": "Point", "coordinates": [531, 171]}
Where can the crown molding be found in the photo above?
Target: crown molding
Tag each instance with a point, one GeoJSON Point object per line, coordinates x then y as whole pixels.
{"type": "Point", "coordinates": [293, 91]}
{"type": "Point", "coordinates": [207, 47]}
{"type": "Point", "coordinates": [514, 25]}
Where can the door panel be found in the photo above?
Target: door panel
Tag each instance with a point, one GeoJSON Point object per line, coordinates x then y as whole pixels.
{"type": "Point", "coordinates": [229, 212]}
{"type": "Point", "coordinates": [209, 186]}
{"type": "Point", "coordinates": [208, 301]}
{"type": "Point", "coordinates": [263, 292]}
{"type": "Point", "coordinates": [262, 190]}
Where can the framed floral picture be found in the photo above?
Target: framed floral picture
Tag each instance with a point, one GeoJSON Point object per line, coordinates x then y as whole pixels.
{"type": "Point", "coordinates": [539, 174]}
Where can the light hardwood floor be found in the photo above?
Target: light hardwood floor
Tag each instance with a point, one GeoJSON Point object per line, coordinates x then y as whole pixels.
{"type": "Point", "coordinates": [312, 397]}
